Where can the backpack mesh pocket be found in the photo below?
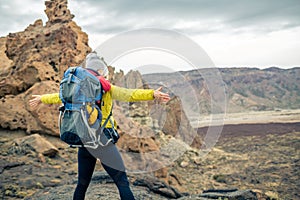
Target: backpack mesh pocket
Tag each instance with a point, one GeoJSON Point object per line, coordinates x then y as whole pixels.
{"type": "Point", "coordinates": [73, 130]}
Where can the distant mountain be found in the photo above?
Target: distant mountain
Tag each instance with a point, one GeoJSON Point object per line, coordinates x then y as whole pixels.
{"type": "Point", "coordinates": [244, 89]}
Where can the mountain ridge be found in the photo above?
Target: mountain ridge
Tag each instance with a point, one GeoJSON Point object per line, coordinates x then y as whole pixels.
{"type": "Point", "coordinates": [247, 89]}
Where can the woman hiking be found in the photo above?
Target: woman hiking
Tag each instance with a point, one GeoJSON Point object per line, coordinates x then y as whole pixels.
{"type": "Point", "coordinates": [108, 155]}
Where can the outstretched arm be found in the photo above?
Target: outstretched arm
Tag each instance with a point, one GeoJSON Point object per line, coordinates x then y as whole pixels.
{"type": "Point", "coordinates": [54, 97]}
{"type": "Point", "coordinates": [45, 98]}
{"type": "Point", "coordinates": [132, 95]}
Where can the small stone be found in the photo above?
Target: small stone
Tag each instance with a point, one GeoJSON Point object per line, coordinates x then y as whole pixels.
{"type": "Point", "coordinates": [272, 195]}
{"type": "Point", "coordinates": [39, 185]}
{"type": "Point", "coordinates": [21, 194]}
{"type": "Point", "coordinates": [184, 164]}
{"type": "Point", "coordinates": [197, 160]}
{"type": "Point", "coordinates": [56, 166]}
{"type": "Point", "coordinates": [56, 181]}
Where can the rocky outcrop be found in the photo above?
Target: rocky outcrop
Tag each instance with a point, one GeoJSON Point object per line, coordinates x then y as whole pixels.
{"type": "Point", "coordinates": [173, 121]}
{"type": "Point", "coordinates": [34, 61]}
{"type": "Point", "coordinates": [229, 194]}
{"type": "Point", "coordinates": [38, 143]}
{"type": "Point", "coordinates": [147, 126]}
{"type": "Point", "coordinates": [158, 187]}
{"type": "Point", "coordinates": [169, 118]}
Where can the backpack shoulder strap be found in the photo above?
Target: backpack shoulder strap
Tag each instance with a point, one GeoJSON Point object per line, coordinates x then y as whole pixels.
{"type": "Point", "coordinates": [72, 71]}
{"type": "Point", "coordinates": [107, 119]}
{"type": "Point", "coordinates": [102, 128]}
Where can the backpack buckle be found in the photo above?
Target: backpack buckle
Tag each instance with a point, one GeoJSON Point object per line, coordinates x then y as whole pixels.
{"type": "Point", "coordinates": [61, 108]}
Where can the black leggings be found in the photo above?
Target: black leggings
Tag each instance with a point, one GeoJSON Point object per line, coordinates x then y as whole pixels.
{"type": "Point", "coordinates": [112, 163]}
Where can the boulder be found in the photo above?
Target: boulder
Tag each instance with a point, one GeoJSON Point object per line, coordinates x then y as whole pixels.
{"type": "Point", "coordinates": [38, 143]}
{"type": "Point", "coordinates": [158, 187]}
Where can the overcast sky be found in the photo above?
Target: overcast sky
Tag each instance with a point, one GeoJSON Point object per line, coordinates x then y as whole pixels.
{"type": "Point", "coordinates": [246, 33]}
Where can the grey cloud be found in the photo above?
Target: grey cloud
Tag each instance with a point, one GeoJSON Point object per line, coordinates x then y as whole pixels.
{"type": "Point", "coordinates": [233, 14]}
{"type": "Point", "coordinates": [123, 15]}
{"type": "Point", "coordinates": [16, 15]}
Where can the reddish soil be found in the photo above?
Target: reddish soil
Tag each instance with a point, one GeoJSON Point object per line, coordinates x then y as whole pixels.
{"type": "Point", "coordinates": [236, 130]}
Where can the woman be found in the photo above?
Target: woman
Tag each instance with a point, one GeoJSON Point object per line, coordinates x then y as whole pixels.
{"type": "Point", "coordinates": [109, 155]}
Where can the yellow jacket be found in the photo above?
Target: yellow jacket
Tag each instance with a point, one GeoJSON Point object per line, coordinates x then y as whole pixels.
{"type": "Point", "coordinates": [115, 93]}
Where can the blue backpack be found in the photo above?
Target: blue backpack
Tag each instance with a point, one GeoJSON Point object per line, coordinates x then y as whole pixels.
{"type": "Point", "coordinates": [79, 92]}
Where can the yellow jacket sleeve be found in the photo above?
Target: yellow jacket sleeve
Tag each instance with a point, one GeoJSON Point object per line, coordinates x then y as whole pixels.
{"type": "Point", "coordinates": [51, 98]}
{"type": "Point", "coordinates": [131, 95]}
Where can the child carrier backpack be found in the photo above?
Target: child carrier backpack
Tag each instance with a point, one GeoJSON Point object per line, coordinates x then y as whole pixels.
{"type": "Point", "coordinates": [80, 117]}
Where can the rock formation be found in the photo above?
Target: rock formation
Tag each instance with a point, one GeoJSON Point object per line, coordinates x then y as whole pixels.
{"type": "Point", "coordinates": [38, 143]}
{"type": "Point", "coordinates": [33, 63]}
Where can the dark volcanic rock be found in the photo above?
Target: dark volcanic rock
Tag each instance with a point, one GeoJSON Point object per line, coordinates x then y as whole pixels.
{"type": "Point", "coordinates": [229, 194]}
{"type": "Point", "coordinates": [158, 187]}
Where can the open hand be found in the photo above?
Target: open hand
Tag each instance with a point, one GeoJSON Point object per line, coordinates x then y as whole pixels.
{"type": "Point", "coordinates": [160, 96]}
{"type": "Point", "coordinates": [35, 101]}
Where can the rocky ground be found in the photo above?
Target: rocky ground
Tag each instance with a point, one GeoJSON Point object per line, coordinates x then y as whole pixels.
{"type": "Point", "coordinates": [264, 162]}
{"type": "Point", "coordinates": [261, 157]}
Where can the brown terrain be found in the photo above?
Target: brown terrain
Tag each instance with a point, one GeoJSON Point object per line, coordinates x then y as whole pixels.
{"type": "Point", "coordinates": [168, 149]}
{"type": "Point", "coordinates": [263, 157]}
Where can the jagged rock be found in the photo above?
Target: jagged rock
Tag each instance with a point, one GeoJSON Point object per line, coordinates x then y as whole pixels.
{"type": "Point", "coordinates": [170, 118]}
{"type": "Point", "coordinates": [158, 187]}
{"type": "Point", "coordinates": [4, 165]}
{"type": "Point", "coordinates": [38, 143]}
{"type": "Point", "coordinates": [230, 194]}
{"type": "Point", "coordinates": [32, 58]}
{"type": "Point", "coordinates": [17, 114]}
{"type": "Point", "coordinates": [138, 145]}
{"type": "Point", "coordinates": [57, 12]}
{"type": "Point", "coordinates": [138, 111]}
{"type": "Point", "coordinates": [133, 79]}
{"type": "Point", "coordinates": [5, 62]}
